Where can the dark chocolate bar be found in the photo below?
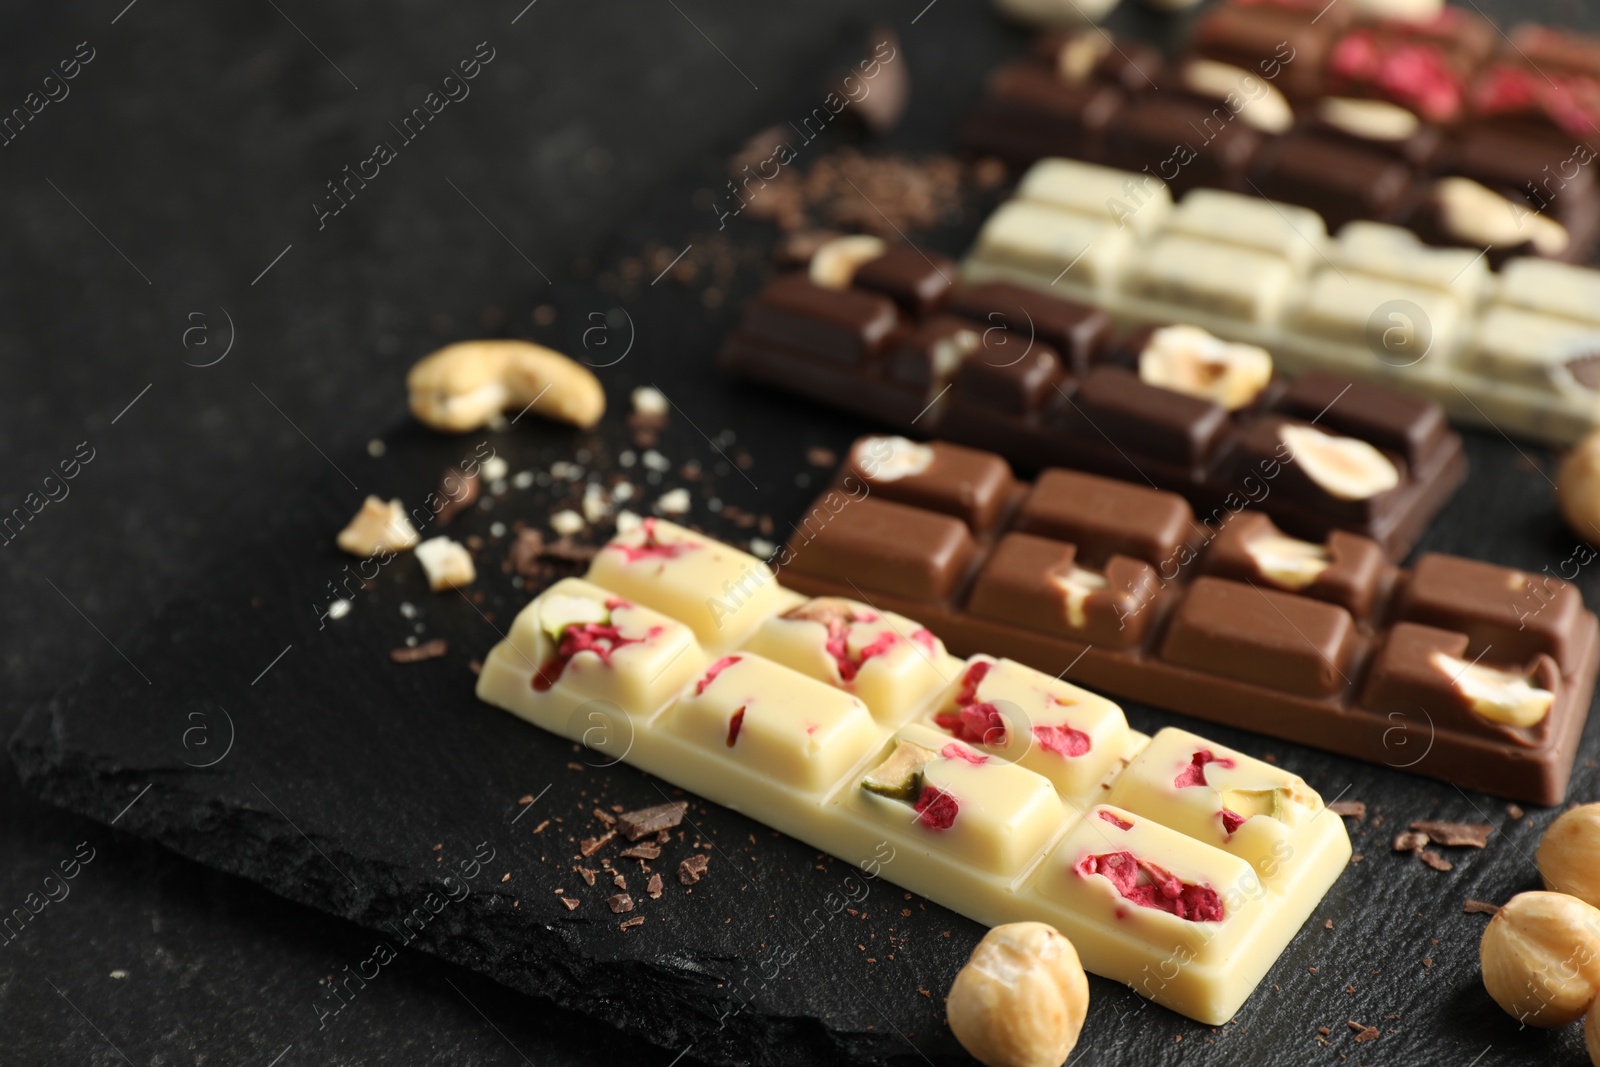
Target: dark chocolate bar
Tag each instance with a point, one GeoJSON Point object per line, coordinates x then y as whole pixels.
{"type": "Point", "coordinates": [1463, 671]}
{"type": "Point", "coordinates": [1041, 381]}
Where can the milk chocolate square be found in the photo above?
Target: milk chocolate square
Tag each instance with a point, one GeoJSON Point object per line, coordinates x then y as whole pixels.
{"type": "Point", "coordinates": [1411, 426]}
{"type": "Point", "coordinates": [1346, 569]}
{"type": "Point", "coordinates": [966, 483]}
{"type": "Point", "coordinates": [1105, 517]}
{"type": "Point", "coordinates": [1514, 614]}
{"type": "Point", "coordinates": [1036, 583]}
{"type": "Point", "coordinates": [840, 326]}
{"type": "Point", "coordinates": [878, 545]}
{"type": "Point", "coordinates": [1146, 420]}
{"type": "Point", "coordinates": [1076, 331]}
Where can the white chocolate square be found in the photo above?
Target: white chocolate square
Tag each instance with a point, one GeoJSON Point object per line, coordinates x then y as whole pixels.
{"type": "Point", "coordinates": [890, 662]}
{"type": "Point", "coordinates": [1296, 235]}
{"type": "Point", "coordinates": [1530, 348]}
{"type": "Point", "coordinates": [620, 654]}
{"type": "Point", "coordinates": [1069, 735]}
{"type": "Point", "coordinates": [720, 593]}
{"type": "Point", "coordinates": [969, 806]}
{"type": "Point", "coordinates": [1050, 245]}
{"type": "Point", "coordinates": [1133, 908]}
{"type": "Point", "coordinates": [1554, 288]}
{"type": "Point", "coordinates": [1352, 308]}
{"type": "Point", "coordinates": [1222, 279]}
{"type": "Point", "coordinates": [1221, 797]}
{"type": "Point", "coordinates": [1379, 250]}
{"type": "Point", "coordinates": [774, 722]}
{"type": "Point", "coordinates": [1137, 200]}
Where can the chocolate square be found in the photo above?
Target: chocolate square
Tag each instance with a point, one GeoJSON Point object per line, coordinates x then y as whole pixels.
{"type": "Point", "coordinates": [1105, 517]}
{"type": "Point", "coordinates": [970, 485]}
{"type": "Point", "coordinates": [875, 545]}
{"type": "Point", "coordinates": [1356, 576]}
{"type": "Point", "coordinates": [1339, 180]}
{"type": "Point", "coordinates": [842, 326]}
{"type": "Point", "coordinates": [1289, 643]}
{"type": "Point", "coordinates": [1187, 143]}
{"type": "Point", "coordinates": [1286, 44]}
{"type": "Point", "coordinates": [1076, 331]}
{"type": "Point", "coordinates": [1009, 372]}
{"type": "Point", "coordinates": [927, 356]}
{"type": "Point", "coordinates": [1513, 614]}
{"type": "Point", "coordinates": [1018, 587]}
{"type": "Point", "coordinates": [1094, 55]}
{"type": "Point", "coordinates": [915, 281]}
{"type": "Point", "coordinates": [1143, 420]}
{"type": "Point", "coordinates": [1408, 425]}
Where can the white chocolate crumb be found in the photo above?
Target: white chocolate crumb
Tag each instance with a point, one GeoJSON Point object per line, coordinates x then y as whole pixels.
{"type": "Point", "coordinates": [655, 461]}
{"type": "Point", "coordinates": [627, 458]}
{"type": "Point", "coordinates": [522, 479]}
{"type": "Point", "coordinates": [339, 609]}
{"type": "Point", "coordinates": [376, 448]}
{"type": "Point", "coordinates": [408, 610]}
{"type": "Point", "coordinates": [565, 471]}
{"type": "Point", "coordinates": [494, 468]}
{"type": "Point", "coordinates": [119, 973]}
{"type": "Point", "coordinates": [595, 505]}
{"type": "Point", "coordinates": [674, 502]}
{"type": "Point", "coordinates": [622, 492]}
{"type": "Point", "coordinates": [628, 521]}
{"type": "Point", "coordinates": [649, 401]}
{"type": "Point", "coordinates": [566, 522]}
{"type": "Point", "coordinates": [762, 548]}
{"type": "Point", "coordinates": [447, 563]}
{"type": "Point", "coordinates": [378, 527]}
{"type": "Point", "coordinates": [497, 529]}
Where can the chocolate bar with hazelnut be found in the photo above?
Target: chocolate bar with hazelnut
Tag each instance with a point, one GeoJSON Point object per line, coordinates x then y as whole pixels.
{"type": "Point", "coordinates": [992, 788]}
{"type": "Point", "coordinates": [1044, 382]}
{"type": "Point", "coordinates": [1464, 671]}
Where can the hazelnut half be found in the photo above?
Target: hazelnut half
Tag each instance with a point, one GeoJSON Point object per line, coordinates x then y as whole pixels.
{"type": "Point", "coordinates": [1187, 359]}
{"type": "Point", "coordinates": [1569, 854]}
{"type": "Point", "coordinates": [1345, 468]}
{"type": "Point", "coordinates": [1541, 958]}
{"type": "Point", "coordinates": [1478, 215]}
{"type": "Point", "coordinates": [1578, 486]}
{"type": "Point", "coordinates": [1506, 697]}
{"type": "Point", "coordinates": [1021, 999]}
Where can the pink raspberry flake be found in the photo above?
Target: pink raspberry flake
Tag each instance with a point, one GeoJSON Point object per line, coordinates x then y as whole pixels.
{"type": "Point", "coordinates": [1114, 819]}
{"type": "Point", "coordinates": [936, 809]}
{"type": "Point", "coordinates": [1062, 740]}
{"type": "Point", "coordinates": [711, 675]}
{"type": "Point", "coordinates": [962, 752]}
{"type": "Point", "coordinates": [971, 681]}
{"type": "Point", "coordinates": [1195, 772]}
{"type": "Point", "coordinates": [923, 637]}
{"type": "Point", "coordinates": [848, 664]}
{"type": "Point", "coordinates": [1150, 886]}
{"type": "Point", "coordinates": [1232, 820]}
{"type": "Point", "coordinates": [976, 724]}
{"type": "Point", "coordinates": [601, 638]}
{"type": "Point", "coordinates": [735, 723]}
{"type": "Point", "coordinates": [652, 547]}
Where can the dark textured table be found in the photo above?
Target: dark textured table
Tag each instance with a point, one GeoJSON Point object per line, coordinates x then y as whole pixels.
{"type": "Point", "coordinates": [164, 209]}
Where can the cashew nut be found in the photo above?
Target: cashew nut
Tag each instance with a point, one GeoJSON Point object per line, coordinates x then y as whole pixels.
{"type": "Point", "coordinates": [378, 527]}
{"type": "Point", "coordinates": [465, 385]}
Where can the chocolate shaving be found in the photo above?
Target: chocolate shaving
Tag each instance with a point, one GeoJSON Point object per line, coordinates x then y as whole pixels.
{"type": "Point", "coordinates": [1455, 834]}
{"type": "Point", "coordinates": [653, 887]}
{"type": "Point", "coordinates": [693, 869]}
{"type": "Point", "coordinates": [636, 824]}
{"type": "Point", "coordinates": [605, 816]}
{"type": "Point", "coordinates": [459, 491]}
{"type": "Point", "coordinates": [619, 881]}
{"type": "Point", "coordinates": [620, 903]}
{"type": "Point", "coordinates": [645, 851]}
{"type": "Point", "coordinates": [425, 651]}
{"type": "Point", "coordinates": [1434, 860]}
{"type": "Point", "coordinates": [818, 456]}
{"type": "Point", "coordinates": [1351, 809]}
{"type": "Point", "coordinates": [566, 550]}
{"type": "Point", "coordinates": [586, 874]}
{"type": "Point", "coordinates": [1478, 907]}
{"type": "Point", "coordinates": [629, 924]}
{"type": "Point", "coordinates": [1410, 842]}
{"type": "Point", "coordinates": [571, 903]}
{"type": "Point", "coordinates": [591, 845]}
{"type": "Point", "coordinates": [1363, 1033]}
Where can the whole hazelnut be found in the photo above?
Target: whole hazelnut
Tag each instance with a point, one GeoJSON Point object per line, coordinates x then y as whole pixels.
{"type": "Point", "coordinates": [1578, 486]}
{"type": "Point", "coordinates": [1021, 999]}
{"type": "Point", "coordinates": [1541, 958]}
{"type": "Point", "coordinates": [1569, 854]}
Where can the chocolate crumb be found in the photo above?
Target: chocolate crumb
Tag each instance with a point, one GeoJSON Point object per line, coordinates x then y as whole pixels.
{"type": "Point", "coordinates": [1427, 961]}
{"type": "Point", "coordinates": [1363, 1033]}
{"type": "Point", "coordinates": [1324, 1031]}
{"type": "Point", "coordinates": [571, 903]}
{"type": "Point", "coordinates": [459, 491]}
{"type": "Point", "coordinates": [425, 651]}
{"type": "Point", "coordinates": [1353, 809]}
{"type": "Point", "coordinates": [1455, 834]}
{"type": "Point", "coordinates": [645, 851]}
{"type": "Point", "coordinates": [1514, 811]}
{"type": "Point", "coordinates": [653, 887]}
{"type": "Point", "coordinates": [586, 874]}
{"type": "Point", "coordinates": [618, 881]}
{"type": "Point", "coordinates": [636, 824]}
{"type": "Point", "coordinates": [525, 799]}
{"type": "Point", "coordinates": [1410, 842]}
{"type": "Point", "coordinates": [1478, 907]}
{"type": "Point", "coordinates": [540, 828]}
{"type": "Point", "coordinates": [818, 456]}
{"type": "Point", "coordinates": [620, 903]}
{"type": "Point", "coordinates": [605, 817]}
{"type": "Point", "coordinates": [692, 869]}
{"type": "Point", "coordinates": [629, 924]}
{"type": "Point", "coordinates": [1328, 925]}
{"type": "Point", "coordinates": [525, 552]}
{"type": "Point", "coordinates": [1434, 860]}
{"type": "Point", "coordinates": [591, 845]}
{"type": "Point", "coordinates": [475, 666]}
{"type": "Point", "coordinates": [566, 550]}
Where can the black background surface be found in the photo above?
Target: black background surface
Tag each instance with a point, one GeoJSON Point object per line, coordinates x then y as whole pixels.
{"type": "Point", "coordinates": [185, 159]}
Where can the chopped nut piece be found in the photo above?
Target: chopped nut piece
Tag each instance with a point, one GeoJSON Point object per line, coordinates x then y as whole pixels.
{"type": "Point", "coordinates": [1288, 562]}
{"type": "Point", "coordinates": [834, 265]}
{"type": "Point", "coordinates": [1078, 585]}
{"type": "Point", "coordinates": [1187, 359]}
{"type": "Point", "coordinates": [649, 402]}
{"type": "Point", "coordinates": [1455, 834]}
{"type": "Point", "coordinates": [693, 869]}
{"type": "Point", "coordinates": [378, 527]}
{"type": "Point", "coordinates": [557, 612]}
{"type": "Point", "coordinates": [447, 564]}
{"type": "Point", "coordinates": [1410, 842]}
{"type": "Point", "coordinates": [1371, 120]}
{"type": "Point", "coordinates": [900, 776]}
{"type": "Point", "coordinates": [1345, 468]}
{"type": "Point", "coordinates": [425, 651]}
{"type": "Point", "coordinates": [1352, 809]}
{"type": "Point", "coordinates": [636, 824]}
{"type": "Point", "coordinates": [1434, 860]}
{"type": "Point", "coordinates": [653, 887]}
{"type": "Point", "coordinates": [620, 903]}
{"type": "Point", "coordinates": [1506, 697]}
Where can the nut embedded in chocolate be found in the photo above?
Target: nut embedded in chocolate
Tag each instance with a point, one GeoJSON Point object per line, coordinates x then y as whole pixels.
{"type": "Point", "coordinates": [900, 776]}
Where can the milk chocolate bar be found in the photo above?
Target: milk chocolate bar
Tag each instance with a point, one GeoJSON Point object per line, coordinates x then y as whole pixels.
{"type": "Point", "coordinates": [1509, 349]}
{"type": "Point", "coordinates": [1464, 671]}
{"type": "Point", "coordinates": [1173, 864]}
{"type": "Point", "coordinates": [1044, 381]}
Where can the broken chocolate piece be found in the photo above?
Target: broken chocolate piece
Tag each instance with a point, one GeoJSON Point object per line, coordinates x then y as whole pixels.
{"type": "Point", "coordinates": [425, 651]}
{"type": "Point", "coordinates": [645, 851]}
{"type": "Point", "coordinates": [591, 845]}
{"type": "Point", "coordinates": [1410, 842]}
{"type": "Point", "coordinates": [1455, 834]}
{"type": "Point", "coordinates": [571, 903]}
{"type": "Point", "coordinates": [1434, 860]}
{"type": "Point", "coordinates": [653, 887]}
{"type": "Point", "coordinates": [1478, 907]}
{"type": "Point", "coordinates": [620, 903]}
{"type": "Point", "coordinates": [693, 869]}
{"type": "Point", "coordinates": [1353, 809]}
{"type": "Point", "coordinates": [636, 824]}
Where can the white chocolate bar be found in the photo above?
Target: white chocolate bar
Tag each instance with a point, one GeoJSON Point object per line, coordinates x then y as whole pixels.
{"type": "Point", "coordinates": [986, 781]}
{"type": "Point", "coordinates": [1140, 201]}
{"type": "Point", "coordinates": [1252, 271]}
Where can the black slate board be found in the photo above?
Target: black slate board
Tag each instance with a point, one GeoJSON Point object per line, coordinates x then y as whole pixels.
{"type": "Point", "coordinates": [343, 771]}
